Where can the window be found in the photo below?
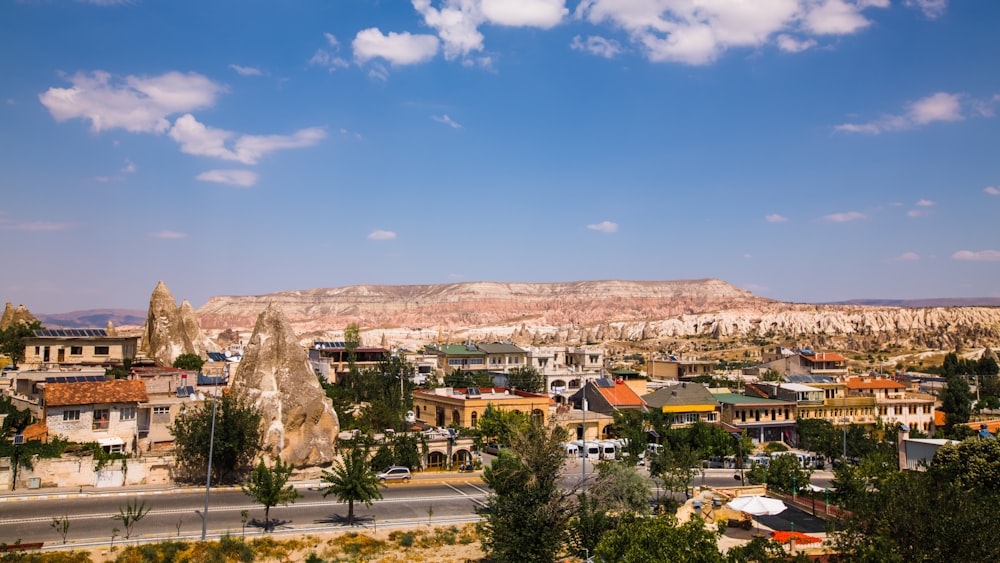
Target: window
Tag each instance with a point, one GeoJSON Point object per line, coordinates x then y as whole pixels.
{"type": "Point", "coordinates": [101, 419]}
{"type": "Point", "coordinates": [475, 418]}
{"type": "Point", "coordinates": [71, 415]}
{"type": "Point", "coordinates": [126, 413]}
{"type": "Point", "coordinates": [76, 350]}
{"type": "Point", "coordinates": [161, 410]}
{"type": "Point", "coordinates": [712, 417]}
{"type": "Point", "coordinates": [101, 350]}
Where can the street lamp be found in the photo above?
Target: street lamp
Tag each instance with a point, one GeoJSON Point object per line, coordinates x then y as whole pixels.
{"type": "Point", "coordinates": [208, 473]}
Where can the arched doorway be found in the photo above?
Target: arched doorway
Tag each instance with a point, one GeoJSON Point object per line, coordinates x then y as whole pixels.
{"type": "Point", "coordinates": [436, 460]}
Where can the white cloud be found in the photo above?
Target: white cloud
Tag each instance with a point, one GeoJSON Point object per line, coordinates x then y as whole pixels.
{"type": "Point", "coordinates": [534, 13]}
{"type": "Point", "coordinates": [329, 58]}
{"type": "Point", "coordinates": [992, 190]}
{"type": "Point", "coordinates": [378, 72]}
{"type": "Point", "coordinates": [201, 140]}
{"type": "Point", "coordinates": [246, 70]}
{"type": "Point", "coordinates": [446, 120]}
{"type": "Point", "coordinates": [457, 24]}
{"type": "Point", "coordinates": [905, 257]}
{"type": "Point", "coordinates": [918, 213]}
{"type": "Point", "coordinates": [35, 226]}
{"type": "Point", "coordinates": [789, 44]}
{"type": "Point", "coordinates": [604, 227]}
{"type": "Point", "coordinates": [699, 32]}
{"type": "Point", "coordinates": [167, 235]}
{"type": "Point", "coordinates": [978, 256]}
{"type": "Point", "coordinates": [379, 234]}
{"type": "Point", "coordinates": [845, 217]}
{"type": "Point", "coordinates": [941, 106]}
{"type": "Point", "coordinates": [838, 17]}
{"type": "Point", "coordinates": [933, 9]}
{"type": "Point", "coordinates": [775, 218]}
{"type": "Point", "coordinates": [596, 45]}
{"type": "Point", "coordinates": [136, 104]}
{"type": "Point", "coordinates": [925, 203]}
{"type": "Point", "coordinates": [241, 178]}
{"type": "Point", "coordinates": [129, 167]}
{"type": "Point", "coordinates": [397, 48]}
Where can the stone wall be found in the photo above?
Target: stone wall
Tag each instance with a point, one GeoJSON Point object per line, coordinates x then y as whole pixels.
{"type": "Point", "coordinates": [80, 472]}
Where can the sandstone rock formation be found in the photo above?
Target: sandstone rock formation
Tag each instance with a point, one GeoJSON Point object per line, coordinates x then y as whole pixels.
{"type": "Point", "coordinates": [171, 330]}
{"type": "Point", "coordinates": [12, 315]}
{"type": "Point", "coordinates": [300, 423]}
{"type": "Point", "coordinates": [606, 311]}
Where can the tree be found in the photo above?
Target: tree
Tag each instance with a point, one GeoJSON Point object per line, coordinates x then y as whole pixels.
{"type": "Point", "coordinates": [675, 467]}
{"type": "Point", "coordinates": [621, 489]}
{"type": "Point", "coordinates": [971, 465]}
{"type": "Point", "coordinates": [588, 525]}
{"type": "Point", "coordinates": [61, 526]}
{"type": "Point", "coordinates": [130, 514]}
{"type": "Point", "coordinates": [352, 481]}
{"type": "Point", "coordinates": [526, 379]}
{"type": "Point", "coordinates": [269, 486]}
{"type": "Point", "coordinates": [956, 401]}
{"type": "Point", "coordinates": [13, 337]}
{"type": "Point", "coordinates": [640, 540]}
{"type": "Point", "coordinates": [238, 436]}
{"type": "Point", "coordinates": [819, 436]}
{"type": "Point", "coordinates": [631, 426]}
{"type": "Point", "coordinates": [190, 362]}
{"type": "Point", "coordinates": [785, 473]}
{"type": "Point", "coordinates": [527, 512]}
{"type": "Point", "coordinates": [500, 425]}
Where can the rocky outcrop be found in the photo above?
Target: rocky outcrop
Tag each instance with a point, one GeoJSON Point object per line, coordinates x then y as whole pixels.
{"type": "Point", "coordinates": [171, 330]}
{"type": "Point", "coordinates": [605, 311]}
{"type": "Point", "coordinates": [14, 315]}
{"type": "Point", "coordinates": [300, 424]}
{"type": "Point", "coordinates": [481, 304]}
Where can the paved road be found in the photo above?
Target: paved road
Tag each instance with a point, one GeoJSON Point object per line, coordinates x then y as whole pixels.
{"type": "Point", "coordinates": [179, 514]}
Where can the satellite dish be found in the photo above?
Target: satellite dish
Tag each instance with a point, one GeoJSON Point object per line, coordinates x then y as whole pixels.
{"type": "Point", "coordinates": [229, 354]}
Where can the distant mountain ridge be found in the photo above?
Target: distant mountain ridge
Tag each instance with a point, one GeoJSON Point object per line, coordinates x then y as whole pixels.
{"type": "Point", "coordinates": [94, 318]}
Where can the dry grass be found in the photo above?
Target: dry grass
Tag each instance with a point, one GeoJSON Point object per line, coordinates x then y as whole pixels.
{"type": "Point", "coordinates": [429, 544]}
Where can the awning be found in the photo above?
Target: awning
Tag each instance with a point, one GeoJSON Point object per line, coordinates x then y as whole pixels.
{"type": "Point", "coordinates": [111, 442]}
{"type": "Point", "coordinates": [799, 537]}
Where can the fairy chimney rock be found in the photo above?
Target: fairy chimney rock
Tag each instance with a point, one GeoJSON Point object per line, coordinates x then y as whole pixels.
{"type": "Point", "coordinates": [171, 330]}
{"type": "Point", "coordinates": [14, 315]}
{"type": "Point", "coordinates": [300, 424]}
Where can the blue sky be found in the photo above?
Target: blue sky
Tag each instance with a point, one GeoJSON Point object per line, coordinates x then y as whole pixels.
{"type": "Point", "coordinates": [806, 150]}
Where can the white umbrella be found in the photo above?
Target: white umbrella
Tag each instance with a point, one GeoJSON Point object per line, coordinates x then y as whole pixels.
{"type": "Point", "coordinates": [757, 505]}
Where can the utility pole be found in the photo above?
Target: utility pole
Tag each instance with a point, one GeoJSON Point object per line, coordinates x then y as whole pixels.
{"type": "Point", "coordinates": [208, 473]}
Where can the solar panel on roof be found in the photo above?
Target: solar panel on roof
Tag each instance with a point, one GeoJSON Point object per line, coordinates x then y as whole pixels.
{"type": "Point", "coordinates": [71, 333]}
{"type": "Point", "coordinates": [603, 382]}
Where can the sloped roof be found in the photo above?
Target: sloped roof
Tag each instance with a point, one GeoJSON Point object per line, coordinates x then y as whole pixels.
{"type": "Point", "coordinates": [501, 348]}
{"type": "Point", "coordinates": [824, 357]}
{"type": "Point", "coordinates": [620, 395]}
{"type": "Point", "coordinates": [679, 395]}
{"type": "Point", "coordinates": [100, 392]}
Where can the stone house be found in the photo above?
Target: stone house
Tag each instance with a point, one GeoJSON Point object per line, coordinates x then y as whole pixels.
{"type": "Point", "coordinates": [105, 412]}
{"type": "Point", "coordinates": [686, 403]}
{"type": "Point", "coordinates": [54, 348]}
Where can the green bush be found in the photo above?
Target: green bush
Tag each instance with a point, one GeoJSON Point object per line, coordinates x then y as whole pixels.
{"type": "Point", "coordinates": [406, 540]}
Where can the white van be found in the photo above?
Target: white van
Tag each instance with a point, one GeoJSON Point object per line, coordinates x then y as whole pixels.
{"type": "Point", "coordinates": [653, 449]}
{"type": "Point", "coordinates": [593, 451]}
{"type": "Point", "coordinates": [571, 449]}
{"type": "Point", "coordinates": [608, 449]}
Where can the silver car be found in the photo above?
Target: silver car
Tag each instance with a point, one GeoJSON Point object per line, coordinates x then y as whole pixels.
{"type": "Point", "coordinates": [395, 473]}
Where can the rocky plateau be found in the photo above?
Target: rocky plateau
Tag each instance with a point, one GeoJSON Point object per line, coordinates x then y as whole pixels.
{"type": "Point", "coordinates": [611, 311]}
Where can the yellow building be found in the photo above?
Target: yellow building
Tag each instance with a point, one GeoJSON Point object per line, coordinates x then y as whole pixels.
{"type": "Point", "coordinates": [445, 406]}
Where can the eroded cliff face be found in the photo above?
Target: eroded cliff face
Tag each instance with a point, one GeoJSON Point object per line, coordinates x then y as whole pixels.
{"type": "Point", "coordinates": [481, 304]}
{"type": "Point", "coordinates": [604, 311]}
{"type": "Point", "coordinates": [171, 330]}
{"type": "Point", "coordinates": [300, 424]}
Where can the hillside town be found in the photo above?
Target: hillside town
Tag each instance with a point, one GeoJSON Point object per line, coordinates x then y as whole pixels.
{"type": "Point", "coordinates": [91, 409]}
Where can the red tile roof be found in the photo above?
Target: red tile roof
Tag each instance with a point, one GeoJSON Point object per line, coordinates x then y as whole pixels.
{"type": "Point", "coordinates": [824, 357]}
{"type": "Point", "coordinates": [621, 395]}
{"type": "Point", "coordinates": [96, 392]}
{"type": "Point", "coordinates": [874, 384]}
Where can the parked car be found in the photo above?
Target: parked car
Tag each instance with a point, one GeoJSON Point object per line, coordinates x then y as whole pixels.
{"type": "Point", "coordinates": [395, 473]}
